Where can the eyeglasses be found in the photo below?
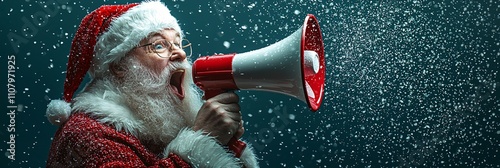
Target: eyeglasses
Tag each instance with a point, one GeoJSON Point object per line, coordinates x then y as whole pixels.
{"type": "Point", "coordinates": [163, 48]}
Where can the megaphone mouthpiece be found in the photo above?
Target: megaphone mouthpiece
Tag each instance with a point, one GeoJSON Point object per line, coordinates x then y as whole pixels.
{"type": "Point", "coordinates": [311, 60]}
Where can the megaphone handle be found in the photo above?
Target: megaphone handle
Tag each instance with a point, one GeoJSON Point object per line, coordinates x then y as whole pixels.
{"type": "Point", "coordinates": [236, 146]}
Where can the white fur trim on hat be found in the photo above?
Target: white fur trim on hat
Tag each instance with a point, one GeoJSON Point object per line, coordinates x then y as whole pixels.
{"type": "Point", "coordinates": [202, 150]}
{"type": "Point", "coordinates": [58, 112]}
{"type": "Point", "coordinates": [126, 31]}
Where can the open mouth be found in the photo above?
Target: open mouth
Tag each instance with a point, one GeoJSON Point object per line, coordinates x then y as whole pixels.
{"type": "Point", "coordinates": [176, 83]}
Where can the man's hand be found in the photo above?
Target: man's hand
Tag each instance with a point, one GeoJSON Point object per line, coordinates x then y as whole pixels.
{"type": "Point", "coordinates": [220, 117]}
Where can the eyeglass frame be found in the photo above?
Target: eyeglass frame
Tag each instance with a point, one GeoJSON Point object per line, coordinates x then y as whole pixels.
{"type": "Point", "coordinates": [170, 49]}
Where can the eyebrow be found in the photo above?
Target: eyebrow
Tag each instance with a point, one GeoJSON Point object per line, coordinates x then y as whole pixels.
{"type": "Point", "coordinates": [156, 35]}
{"type": "Point", "coordinates": [160, 34]}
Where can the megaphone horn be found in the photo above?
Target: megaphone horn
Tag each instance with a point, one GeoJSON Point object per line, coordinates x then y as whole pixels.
{"type": "Point", "coordinates": [294, 66]}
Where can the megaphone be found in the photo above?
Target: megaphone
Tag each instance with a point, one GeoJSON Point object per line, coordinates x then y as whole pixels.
{"type": "Point", "coordinates": [294, 66]}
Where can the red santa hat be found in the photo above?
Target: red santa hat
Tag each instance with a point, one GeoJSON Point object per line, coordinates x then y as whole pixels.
{"type": "Point", "coordinates": [104, 36]}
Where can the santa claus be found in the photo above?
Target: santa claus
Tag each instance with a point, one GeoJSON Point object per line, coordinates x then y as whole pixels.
{"type": "Point", "coordinates": [140, 108]}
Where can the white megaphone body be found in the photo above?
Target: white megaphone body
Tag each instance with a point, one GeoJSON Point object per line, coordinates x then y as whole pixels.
{"type": "Point", "coordinates": [294, 66]}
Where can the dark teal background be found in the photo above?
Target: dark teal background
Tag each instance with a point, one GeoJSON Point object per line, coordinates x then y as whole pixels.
{"type": "Point", "coordinates": [410, 83]}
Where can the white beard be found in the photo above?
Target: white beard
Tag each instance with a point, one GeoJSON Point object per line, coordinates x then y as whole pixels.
{"type": "Point", "coordinates": [161, 111]}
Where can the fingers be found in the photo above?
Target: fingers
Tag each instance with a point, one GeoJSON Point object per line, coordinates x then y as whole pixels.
{"type": "Point", "coordinates": [221, 117]}
{"type": "Point", "coordinates": [227, 98]}
{"type": "Point", "coordinates": [233, 108]}
{"type": "Point", "coordinates": [236, 116]}
{"type": "Point", "coordinates": [240, 131]}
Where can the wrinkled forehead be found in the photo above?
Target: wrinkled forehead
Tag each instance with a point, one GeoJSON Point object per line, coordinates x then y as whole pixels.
{"type": "Point", "coordinates": [165, 33]}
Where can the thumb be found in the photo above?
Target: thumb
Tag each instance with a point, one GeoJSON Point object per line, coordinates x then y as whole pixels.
{"type": "Point", "coordinates": [240, 131]}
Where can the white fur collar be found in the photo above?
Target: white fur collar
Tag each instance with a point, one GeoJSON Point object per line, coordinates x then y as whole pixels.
{"type": "Point", "coordinates": [104, 103]}
{"type": "Point", "coordinates": [204, 151]}
{"type": "Point", "coordinates": [108, 107]}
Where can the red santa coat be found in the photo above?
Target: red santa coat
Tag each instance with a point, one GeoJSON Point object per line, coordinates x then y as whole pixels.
{"type": "Point", "coordinates": [84, 142]}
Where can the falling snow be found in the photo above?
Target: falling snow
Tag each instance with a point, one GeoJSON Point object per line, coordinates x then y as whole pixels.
{"type": "Point", "coordinates": [227, 44]}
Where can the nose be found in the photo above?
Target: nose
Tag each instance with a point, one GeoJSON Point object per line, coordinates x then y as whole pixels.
{"type": "Point", "coordinates": [178, 55]}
